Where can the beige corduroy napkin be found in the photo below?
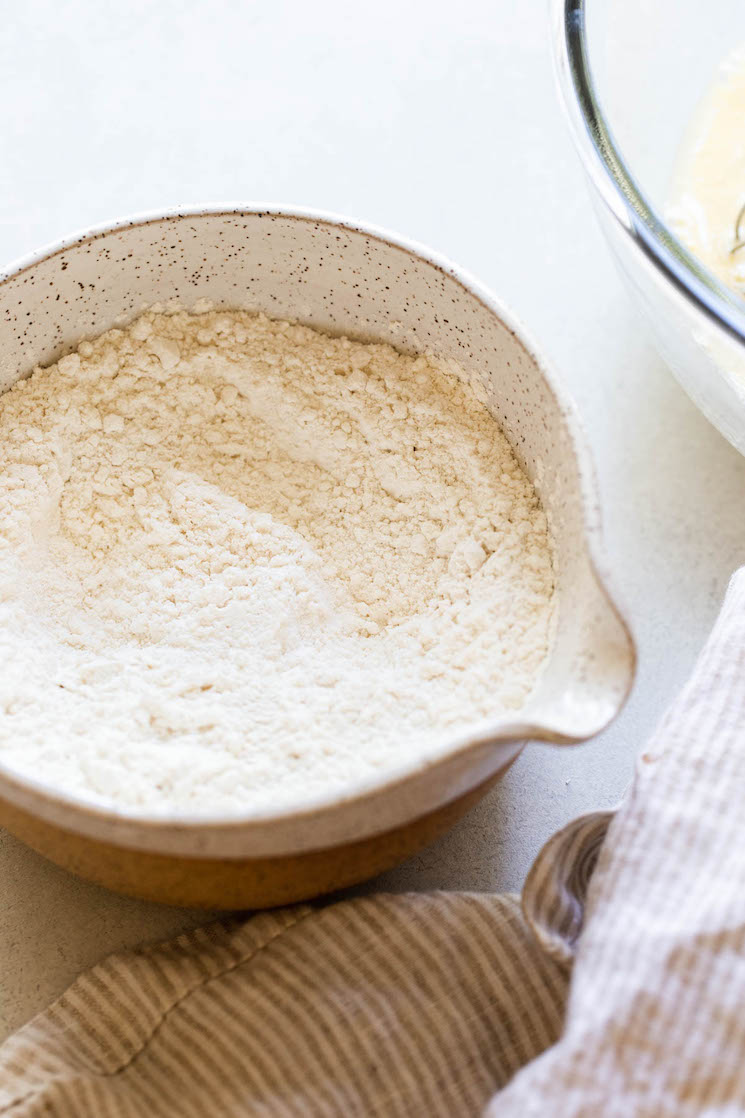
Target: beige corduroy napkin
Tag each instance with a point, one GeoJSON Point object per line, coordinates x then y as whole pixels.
{"type": "Point", "coordinates": [444, 1004]}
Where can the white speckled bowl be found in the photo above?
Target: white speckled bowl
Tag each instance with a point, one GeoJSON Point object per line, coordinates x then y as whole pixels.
{"type": "Point", "coordinates": [356, 280]}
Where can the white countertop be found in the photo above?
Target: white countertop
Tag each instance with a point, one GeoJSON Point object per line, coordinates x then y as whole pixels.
{"type": "Point", "coordinates": [439, 121]}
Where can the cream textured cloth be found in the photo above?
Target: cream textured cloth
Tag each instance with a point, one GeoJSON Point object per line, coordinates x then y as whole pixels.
{"type": "Point", "coordinates": [445, 1004]}
{"type": "Point", "coordinates": [656, 1013]}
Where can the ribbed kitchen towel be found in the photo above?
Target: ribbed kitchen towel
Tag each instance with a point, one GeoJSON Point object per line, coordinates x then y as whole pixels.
{"type": "Point", "coordinates": [445, 1004]}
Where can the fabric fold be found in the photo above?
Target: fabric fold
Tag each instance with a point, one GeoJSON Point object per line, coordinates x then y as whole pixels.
{"type": "Point", "coordinates": [655, 1022]}
{"type": "Point", "coordinates": [555, 891]}
{"type": "Point", "coordinates": [390, 1005]}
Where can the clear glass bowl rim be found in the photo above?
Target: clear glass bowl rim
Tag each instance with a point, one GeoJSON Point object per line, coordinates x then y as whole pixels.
{"type": "Point", "coordinates": [617, 186]}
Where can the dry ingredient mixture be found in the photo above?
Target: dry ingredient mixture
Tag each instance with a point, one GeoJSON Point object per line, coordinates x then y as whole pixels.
{"type": "Point", "coordinates": [243, 562]}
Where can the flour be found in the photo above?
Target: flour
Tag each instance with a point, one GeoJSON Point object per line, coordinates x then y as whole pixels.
{"type": "Point", "coordinates": [242, 562]}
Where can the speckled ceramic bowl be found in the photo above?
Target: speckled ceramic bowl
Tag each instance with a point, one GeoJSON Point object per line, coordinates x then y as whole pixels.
{"type": "Point", "coordinates": [357, 280]}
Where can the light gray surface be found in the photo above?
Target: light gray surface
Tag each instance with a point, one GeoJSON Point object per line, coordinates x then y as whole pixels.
{"type": "Point", "coordinates": [448, 130]}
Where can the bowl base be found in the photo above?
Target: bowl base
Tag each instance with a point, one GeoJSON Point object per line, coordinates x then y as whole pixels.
{"type": "Point", "coordinates": [234, 883]}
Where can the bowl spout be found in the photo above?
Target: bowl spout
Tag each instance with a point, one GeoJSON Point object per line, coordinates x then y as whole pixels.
{"type": "Point", "coordinates": [592, 667]}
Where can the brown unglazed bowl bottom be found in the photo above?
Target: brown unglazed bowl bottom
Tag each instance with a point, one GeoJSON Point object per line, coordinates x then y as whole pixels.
{"type": "Point", "coordinates": [234, 883]}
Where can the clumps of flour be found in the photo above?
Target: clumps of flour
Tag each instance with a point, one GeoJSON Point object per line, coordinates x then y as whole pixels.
{"type": "Point", "coordinates": [242, 561]}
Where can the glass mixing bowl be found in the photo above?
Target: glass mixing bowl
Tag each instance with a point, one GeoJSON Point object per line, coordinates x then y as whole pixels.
{"type": "Point", "coordinates": [632, 73]}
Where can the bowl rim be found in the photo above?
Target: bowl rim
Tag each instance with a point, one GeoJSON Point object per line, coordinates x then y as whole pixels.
{"type": "Point", "coordinates": [88, 815]}
{"type": "Point", "coordinates": [617, 186]}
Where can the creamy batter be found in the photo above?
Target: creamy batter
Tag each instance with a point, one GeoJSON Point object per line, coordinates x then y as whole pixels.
{"type": "Point", "coordinates": [708, 199]}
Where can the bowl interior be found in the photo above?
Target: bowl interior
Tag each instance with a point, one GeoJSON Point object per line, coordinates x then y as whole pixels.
{"type": "Point", "coordinates": [350, 280]}
{"type": "Point", "coordinates": [673, 49]}
{"type": "Point", "coordinates": [633, 76]}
